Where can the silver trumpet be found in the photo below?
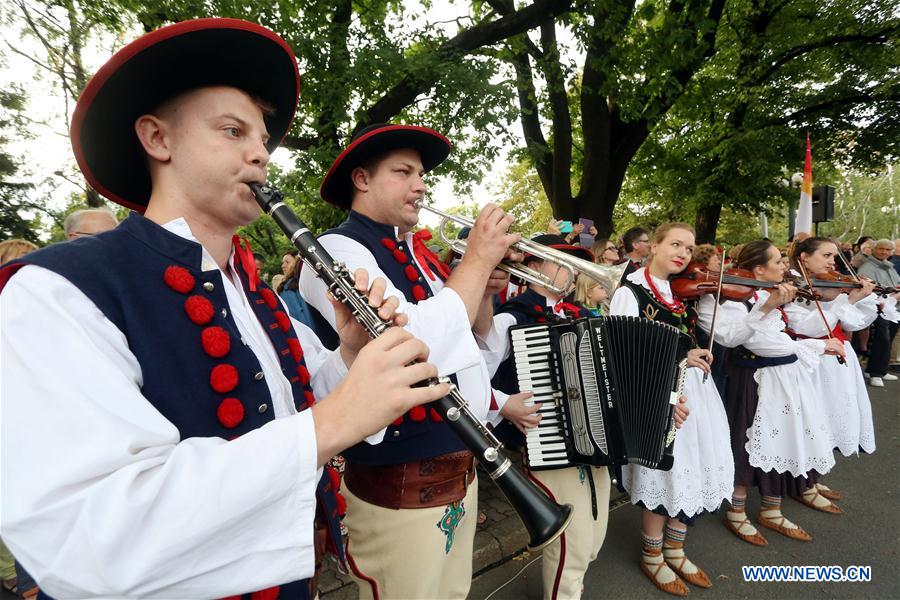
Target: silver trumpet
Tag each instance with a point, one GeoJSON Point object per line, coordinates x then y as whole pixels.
{"type": "Point", "coordinates": [567, 263]}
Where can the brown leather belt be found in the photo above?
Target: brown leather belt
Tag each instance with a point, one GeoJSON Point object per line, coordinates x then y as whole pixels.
{"type": "Point", "coordinates": [430, 482]}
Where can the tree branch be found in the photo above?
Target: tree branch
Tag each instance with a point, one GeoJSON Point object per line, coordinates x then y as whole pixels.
{"type": "Point", "coordinates": [852, 100]}
{"type": "Point", "coordinates": [562, 123]}
{"type": "Point", "coordinates": [411, 84]}
{"type": "Point", "coordinates": [880, 36]}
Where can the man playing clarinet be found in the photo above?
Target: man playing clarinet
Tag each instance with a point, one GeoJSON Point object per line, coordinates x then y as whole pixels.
{"type": "Point", "coordinates": [165, 423]}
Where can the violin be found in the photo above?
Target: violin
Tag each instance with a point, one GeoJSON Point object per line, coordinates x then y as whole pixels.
{"type": "Point", "coordinates": [832, 284]}
{"type": "Point", "coordinates": [738, 285]}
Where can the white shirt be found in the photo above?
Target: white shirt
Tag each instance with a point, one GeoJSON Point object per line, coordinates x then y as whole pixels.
{"type": "Point", "coordinates": [441, 322]}
{"type": "Point", "coordinates": [101, 497]}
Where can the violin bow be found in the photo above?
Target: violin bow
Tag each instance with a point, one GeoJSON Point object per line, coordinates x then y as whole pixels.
{"type": "Point", "coordinates": [712, 326]}
{"type": "Point", "coordinates": [819, 306]}
{"type": "Point", "coordinates": [847, 264]}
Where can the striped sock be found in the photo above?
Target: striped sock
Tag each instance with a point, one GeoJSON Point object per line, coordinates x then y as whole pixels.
{"type": "Point", "coordinates": [675, 535]}
{"type": "Point", "coordinates": [770, 503]}
{"type": "Point", "coordinates": [738, 503]}
{"type": "Point", "coordinates": [652, 545]}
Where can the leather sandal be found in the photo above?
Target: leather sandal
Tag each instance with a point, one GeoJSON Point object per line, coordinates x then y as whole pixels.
{"type": "Point", "coordinates": [829, 493]}
{"type": "Point", "coordinates": [735, 527]}
{"type": "Point", "coordinates": [700, 578]}
{"type": "Point", "coordinates": [795, 533]}
{"type": "Point", "coordinates": [830, 508]}
{"type": "Point", "coordinates": [676, 587]}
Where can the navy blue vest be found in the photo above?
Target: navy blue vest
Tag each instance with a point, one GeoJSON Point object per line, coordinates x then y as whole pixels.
{"type": "Point", "coordinates": [420, 433]}
{"type": "Point", "coordinates": [197, 370]}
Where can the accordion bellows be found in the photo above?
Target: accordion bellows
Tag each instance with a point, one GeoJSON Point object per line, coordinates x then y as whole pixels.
{"type": "Point", "coordinates": [608, 386]}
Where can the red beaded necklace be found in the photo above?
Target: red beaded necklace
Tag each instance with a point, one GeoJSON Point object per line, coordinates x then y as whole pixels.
{"type": "Point", "coordinates": [675, 306]}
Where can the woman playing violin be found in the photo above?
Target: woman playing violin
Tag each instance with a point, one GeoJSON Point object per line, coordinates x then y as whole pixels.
{"type": "Point", "coordinates": [702, 474]}
{"type": "Point", "coordinates": [772, 401]}
{"type": "Point", "coordinates": [847, 409]}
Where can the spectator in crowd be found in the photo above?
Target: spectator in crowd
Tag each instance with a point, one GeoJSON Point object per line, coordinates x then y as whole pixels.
{"type": "Point", "coordinates": [865, 249]}
{"type": "Point", "coordinates": [89, 221]}
{"type": "Point", "coordinates": [637, 245]}
{"type": "Point", "coordinates": [288, 290]}
{"type": "Point", "coordinates": [708, 256]}
{"type": "Point", "coordinates": [605, 252]}
{"type": "Point", "coordinates": [879, 269]}
{"type": "Point", "coordinates": [593, 294]}
{"type": "Point", "coordinates": [14, 248]}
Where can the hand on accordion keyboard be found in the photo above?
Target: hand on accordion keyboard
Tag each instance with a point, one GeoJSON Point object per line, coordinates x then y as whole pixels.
{"type": "Point", "coordinates": [519, 414]}
{"type": "Point", "coordinates": [700, 358]}
{"type": "Point", "coordinates": [681, 412]}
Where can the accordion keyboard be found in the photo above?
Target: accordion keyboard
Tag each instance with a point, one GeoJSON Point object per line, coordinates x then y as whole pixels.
{"type": "Point", "coordinates": [546, 443]}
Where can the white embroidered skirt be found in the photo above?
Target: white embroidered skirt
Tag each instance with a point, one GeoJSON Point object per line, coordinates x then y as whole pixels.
{"type": "Point", "coordinates": [848, 410]}
{"type": "Point", "coordinates": [703, 472]}
{"type": "Point", "coordinates": [789, 432]}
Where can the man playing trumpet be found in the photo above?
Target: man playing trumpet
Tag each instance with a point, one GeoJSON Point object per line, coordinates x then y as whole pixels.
{"type": "Point", "coordinates": [411, 500]}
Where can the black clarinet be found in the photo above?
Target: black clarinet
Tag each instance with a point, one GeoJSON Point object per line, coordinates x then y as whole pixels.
{"type": "Point", "coordinates": [544, 519]}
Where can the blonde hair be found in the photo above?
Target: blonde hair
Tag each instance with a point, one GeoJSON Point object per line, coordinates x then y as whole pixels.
{"type": "Point", "coordinates": [15, 248]}
{"type": "Point", "coordinates": [583, 287]}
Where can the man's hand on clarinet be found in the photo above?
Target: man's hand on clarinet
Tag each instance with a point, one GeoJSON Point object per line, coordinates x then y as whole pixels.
{"type": "Point", "coordinates": [353, 336]}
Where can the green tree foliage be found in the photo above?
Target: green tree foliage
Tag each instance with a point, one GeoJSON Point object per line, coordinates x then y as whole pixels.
{"type": "Point", "coordinates": [19, 216]}
{"type": "Point", "coordinates": [783, 68]}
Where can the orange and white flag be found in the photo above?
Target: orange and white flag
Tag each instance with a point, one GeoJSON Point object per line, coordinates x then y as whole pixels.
{"type": "Point", "coordinates": [804, 213]}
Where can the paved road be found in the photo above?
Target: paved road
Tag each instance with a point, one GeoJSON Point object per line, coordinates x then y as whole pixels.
{"type": "Point", "coordinates": [868, 534]}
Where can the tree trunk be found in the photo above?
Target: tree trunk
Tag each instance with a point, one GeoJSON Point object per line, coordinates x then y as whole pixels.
{"type": "Point", "coordinates": [706, 222]}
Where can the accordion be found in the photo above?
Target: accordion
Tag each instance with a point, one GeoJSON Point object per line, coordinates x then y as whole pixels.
{"type": "Point", "coordinates": [608, 388]}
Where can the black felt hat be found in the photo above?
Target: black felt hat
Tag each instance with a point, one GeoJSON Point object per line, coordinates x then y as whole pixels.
{"type": "Point", "coordinates": [161, 65]}
{"type": "Point", "coordinates": [373, 141]}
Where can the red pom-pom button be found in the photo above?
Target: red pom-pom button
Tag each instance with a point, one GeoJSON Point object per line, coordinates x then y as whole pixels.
{"type": "Point", "coordinates": [418, 293]}
{"type": "Point", "coordinates": [216, 341]}
{"type": "Point", "coordinates": [310, 398]}
{"type": "Point", "coordinates": [284, 321]}
{"type": "Point", "coordinates": [397, 422]}
{"type": "Point", "coordinates": [389, 244]}
{"type": "Point", "coordinates": [269, 297]}
{"type": "Point", "coordinates": [199, 309]}
{"type": "Point", "coordinates": [179, 279]}
{"type": "Point", "coordinates": [434, 415]}
{"type": "Point", "coordinates": [266, 594]}
{"type": "Point", "coordinates": [223, 378]}
{"type": "Point", "coordinates": [538, 308]}
{"type": "Point", "coordinates": [296, 350]}
{"type": "Point", "coordinates": [411, 273]}
{"type": "Point", "coordinates": [303, 372]}
{"type": "Point", "coordinates": [230, 412]}
{"type": "Point", "coordinates": [400, 257]}
{"type": "Point", "coordinates": [417, 414]}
